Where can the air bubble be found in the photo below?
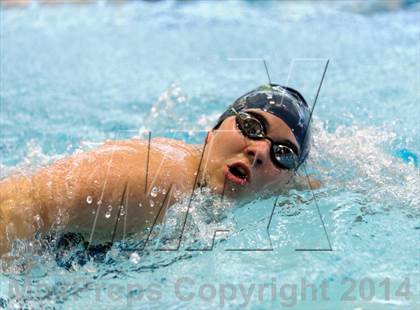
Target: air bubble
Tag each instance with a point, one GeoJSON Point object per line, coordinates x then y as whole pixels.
{"type": "Point", "coordinates": [152, 203]}
{"type": "Point", "coordinates": [154, 192]}
{"type": "Point", "coordinates": [107, 214]}
{"type": "Point", "coordinates": [140, 205]}
{"type": "Point", "coordinates": [89, 199]}
{"type": "Point", "coordinates": [110, 208]}
{"type": "Point", "coordinates": [134, 258]}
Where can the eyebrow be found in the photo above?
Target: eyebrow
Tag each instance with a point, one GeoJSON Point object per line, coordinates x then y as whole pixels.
{"type": "Point", "coordinates": [285, 142]}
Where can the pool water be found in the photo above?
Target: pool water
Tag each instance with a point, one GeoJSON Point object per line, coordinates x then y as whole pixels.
{"type": "Point", "coordinates": [73, 76]}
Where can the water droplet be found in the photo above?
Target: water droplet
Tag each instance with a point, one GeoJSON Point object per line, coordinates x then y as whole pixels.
{"type": "Point", "coordinates": [89, 199]}
{"type": "Point", "coordinates": [134, 258]}
{"type": "Point", "coordinates": [154, 192]}
{"type": "Point", "coordinates": [152, 203]}
{"type": "Point", "coordinates": [107, 214]}
{"type": "Point", "coordinates": [140, 205]}
{"type": "Point", "coordinates": [109, 208]}
{"type": "Point", "coordinates": [90, 267]}
{"type": "Point", "coordinates": [122, 211]}
{"type": "Point", "coordinates": [164, 191]}
{"type": "Point", "coordinates": [99, 202]}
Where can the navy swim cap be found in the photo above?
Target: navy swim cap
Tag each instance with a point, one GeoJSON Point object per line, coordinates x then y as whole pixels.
{"type": "Point", "coordinates": [283, 102]}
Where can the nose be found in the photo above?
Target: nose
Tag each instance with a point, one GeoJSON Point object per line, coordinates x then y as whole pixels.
{"type": "Point", "coordinates": [258, 151]}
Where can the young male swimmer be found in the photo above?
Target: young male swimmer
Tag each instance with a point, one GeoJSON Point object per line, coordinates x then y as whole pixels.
{"type": "Point", "coordinates": [253, 151]}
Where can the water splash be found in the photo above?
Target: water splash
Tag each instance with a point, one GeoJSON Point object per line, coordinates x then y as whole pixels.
{"type": "Point", "coordinates": [194, 224]}
{"type": "Point", "coordinates": [355, 159]}
{"type": "Point", "coordinates": [167, 110]}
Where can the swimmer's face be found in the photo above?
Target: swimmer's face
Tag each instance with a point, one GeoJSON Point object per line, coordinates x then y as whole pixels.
{"type": "Point", "coordinates": [242, 168]}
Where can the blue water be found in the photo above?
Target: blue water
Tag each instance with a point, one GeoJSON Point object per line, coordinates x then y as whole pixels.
{"type": "Point", "coordinates": [73, 76]}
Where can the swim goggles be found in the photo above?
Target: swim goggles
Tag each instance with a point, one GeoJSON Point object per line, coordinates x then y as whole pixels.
{"type": "Point", "coordinates": [283, 156]}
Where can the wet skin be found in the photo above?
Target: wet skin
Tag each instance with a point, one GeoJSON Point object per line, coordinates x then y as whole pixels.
{"type": "Point", "coordinates": [74, 194]}
{"type": "Point", "coordinates": [227, 147]}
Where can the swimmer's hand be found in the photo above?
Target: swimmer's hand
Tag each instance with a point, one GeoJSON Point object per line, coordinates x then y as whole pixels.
{"type": "Point", "coordinates": [299, 183]}
{"type": "Point", "coordinates": [305, 183]}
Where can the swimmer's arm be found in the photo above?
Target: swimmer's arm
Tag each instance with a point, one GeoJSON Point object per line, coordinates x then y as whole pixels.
{"type": "Point", "coordinates": [58, 194]}
{"type": "Point", "coordinates": [36, 203]}
{"type": "Point", "coordinates": [299, 183]}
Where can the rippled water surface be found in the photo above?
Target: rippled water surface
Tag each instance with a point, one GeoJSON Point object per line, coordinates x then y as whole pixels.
{"type": "Point", "coordinates": [72, 76]}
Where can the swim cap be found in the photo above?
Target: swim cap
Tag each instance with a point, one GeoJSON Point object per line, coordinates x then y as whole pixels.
{"type": "Point", "coordinates": [284, 102]}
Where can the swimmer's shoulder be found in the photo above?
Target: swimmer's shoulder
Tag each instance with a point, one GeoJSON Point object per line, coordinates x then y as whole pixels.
{"type": "Point", "coordinates": [171, 150]}
{"type": "Point", "coordinates": [158, 141]}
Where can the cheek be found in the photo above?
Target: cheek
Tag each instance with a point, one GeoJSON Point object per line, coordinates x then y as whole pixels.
{"type": "Point", "coordinates": [217, 150]}
{"type": "Point", "coordinates": [227, 141]}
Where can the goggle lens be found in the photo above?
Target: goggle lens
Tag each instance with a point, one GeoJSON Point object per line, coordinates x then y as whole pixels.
{"type": "Point", "coordinates": [282, 156]}
{"type": "Point", "coordinates": [251, 126]}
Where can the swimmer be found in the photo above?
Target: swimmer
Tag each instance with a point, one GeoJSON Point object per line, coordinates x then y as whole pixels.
{"type": "Point", "coordinates": [253, 151]}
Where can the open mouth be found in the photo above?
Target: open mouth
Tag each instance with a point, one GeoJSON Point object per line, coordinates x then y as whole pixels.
{"type": "Point", "coordinates": [238, 173]}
